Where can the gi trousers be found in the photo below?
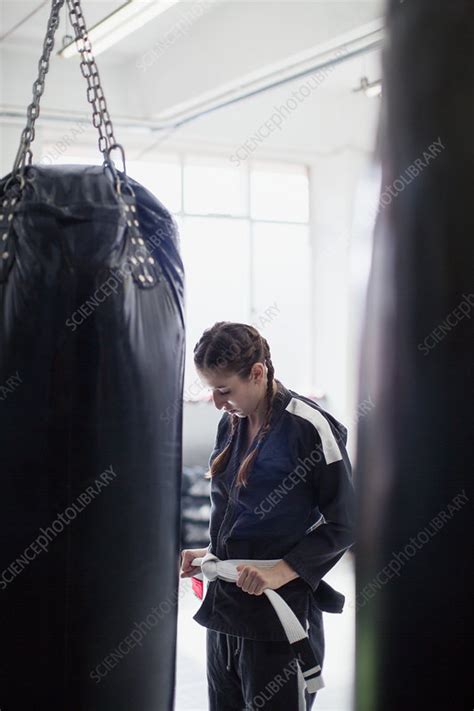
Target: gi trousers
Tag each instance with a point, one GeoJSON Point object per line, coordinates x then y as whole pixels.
{"type": "Point", "coordinates": [247, 675]}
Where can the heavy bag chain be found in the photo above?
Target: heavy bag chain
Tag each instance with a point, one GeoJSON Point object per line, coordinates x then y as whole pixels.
{"type": "Point", "coordinates": [24, 156]}
{"type": "Point", "coordinates": [95, 95]}
{"type": "Point", "coordinates": [100, 119]}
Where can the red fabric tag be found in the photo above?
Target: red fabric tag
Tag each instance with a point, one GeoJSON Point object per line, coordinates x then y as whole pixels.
{"type": "Point", "coordinates": [198, 587]}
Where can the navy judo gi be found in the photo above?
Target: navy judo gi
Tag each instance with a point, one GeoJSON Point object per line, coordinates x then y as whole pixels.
{"type": "Point", "coordinates": [299, 505]}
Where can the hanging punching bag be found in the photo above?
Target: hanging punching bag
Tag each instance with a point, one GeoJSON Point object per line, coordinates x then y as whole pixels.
{"type": "Point", "coordinates": [415, 579]}
{"type": "Point", "coordinates": [91, 379]}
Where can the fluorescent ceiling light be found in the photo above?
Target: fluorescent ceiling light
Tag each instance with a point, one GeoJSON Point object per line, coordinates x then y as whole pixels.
{"type": "Point", "coordinates": [371, 89]}
{"type": "Point", "coordinates": [119, 24]}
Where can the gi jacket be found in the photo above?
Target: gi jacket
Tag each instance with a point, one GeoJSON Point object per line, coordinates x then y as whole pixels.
{"type": "Point", "coordinates": [298, 505]}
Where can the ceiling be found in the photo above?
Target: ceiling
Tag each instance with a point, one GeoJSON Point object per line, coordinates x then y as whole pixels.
{"type": "Point", "coordinates": [23, 22]}
{"type": "Point", "coordinates": [226, 45]}
{"type": "Point", "coordinates": [32, 17]}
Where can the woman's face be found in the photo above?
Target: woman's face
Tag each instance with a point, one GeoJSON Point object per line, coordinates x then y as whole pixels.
{"type": "Point", "coordinates": [239, 396]}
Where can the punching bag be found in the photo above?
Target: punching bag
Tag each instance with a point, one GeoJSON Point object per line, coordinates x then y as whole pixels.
{"type": "Point", "coordinates": [91, 377]}
{"type": "Point", "coordinates": [415, 586]}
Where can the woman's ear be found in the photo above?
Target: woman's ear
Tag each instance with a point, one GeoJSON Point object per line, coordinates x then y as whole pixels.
{"type": "Point", "coordinates": [257, 373]}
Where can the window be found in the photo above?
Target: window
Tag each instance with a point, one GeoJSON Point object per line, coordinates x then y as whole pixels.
{"type": "Point", "coordinates": [279, 192]}
{"type": "Point", "coordinates": [282, 299]}
{"type": "Point", "coordinates": [162, 178]}
{"type": "Point", "coordinates": [216, 257]}
{"type": "Point", "coordinates": [214, 186]}
{"type": "Point", "coordinates": [249, 259]}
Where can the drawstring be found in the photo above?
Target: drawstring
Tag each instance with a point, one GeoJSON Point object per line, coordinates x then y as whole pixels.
{"type": "Point", "coordinates": [228, 652]}
{"type": "Point", "coordinates": [227, 637]}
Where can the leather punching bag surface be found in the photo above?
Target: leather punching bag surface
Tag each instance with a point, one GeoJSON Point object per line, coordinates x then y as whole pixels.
{"type": "Point", "coordinates": [92, 368]}
{"type": "Point", "coordinates": [91, 379]}
{"type": "Point", "coordinates": [415, 563]}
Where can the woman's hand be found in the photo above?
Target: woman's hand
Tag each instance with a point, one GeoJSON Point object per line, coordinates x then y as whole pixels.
{"type": "Point", "coordinates": [254, 580]}
{"type": "Point", "coordinates": [187, 555]}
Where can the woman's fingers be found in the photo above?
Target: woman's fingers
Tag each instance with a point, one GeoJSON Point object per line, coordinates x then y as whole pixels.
{"type": "Point", "coordinates": [252, 585]}
{"type": "Point", "coordinates": [189, 571]}
{"type": "Point", "coordinates": [185, 561]}
{"type": "Point", "coordinates": [187, 557]}
{"type": "Point", "coordinates": [249, 580]}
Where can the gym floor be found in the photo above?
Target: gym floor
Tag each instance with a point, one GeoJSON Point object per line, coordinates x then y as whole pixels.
{"type": "Point", "coordinates": [338, 670]}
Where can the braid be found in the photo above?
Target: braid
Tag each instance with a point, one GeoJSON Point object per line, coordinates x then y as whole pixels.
{"type": "Point", "coordinates": [220, 462]}
{"type": "Point", "coordinates": [246, 465]}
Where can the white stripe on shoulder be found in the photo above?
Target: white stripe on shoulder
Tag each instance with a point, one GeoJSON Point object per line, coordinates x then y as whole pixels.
{"type": "Point", "coordinates": [331, 450]}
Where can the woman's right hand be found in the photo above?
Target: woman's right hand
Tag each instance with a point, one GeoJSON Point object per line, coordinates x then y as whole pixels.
{"type": "Point", "coordinates": [187, 555]}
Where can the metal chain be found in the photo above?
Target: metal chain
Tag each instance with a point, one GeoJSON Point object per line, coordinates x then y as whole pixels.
{"type": "Point", "coordinates": [140, 259]}
{"type": "Point", "coordinates": [95, 95]}
{"type": "Point", "coordinates": [24, 155]}
{"type": "Point", "coordinates": [101, 119]}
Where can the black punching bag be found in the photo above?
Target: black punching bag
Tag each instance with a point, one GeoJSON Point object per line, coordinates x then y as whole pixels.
{"type": "Point", "coordinates": [415, 563]}
{"type": "Point", "coordinates": [91, 379]}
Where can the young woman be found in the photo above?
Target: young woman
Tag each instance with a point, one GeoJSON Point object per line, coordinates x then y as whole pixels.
{"type": "Point", "coordinates": [281, 492]}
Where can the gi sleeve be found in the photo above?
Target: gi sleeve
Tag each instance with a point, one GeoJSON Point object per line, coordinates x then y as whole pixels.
{"type": "Point", "coordinates": [320, 549]}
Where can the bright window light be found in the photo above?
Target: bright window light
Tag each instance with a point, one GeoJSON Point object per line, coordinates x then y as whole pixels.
{"type": "Point", "coordinates": [213, 186]}
{"type": "Point", "coordinates": [279, 192]}
{"type": "Point", "coordinates": [162, 177]}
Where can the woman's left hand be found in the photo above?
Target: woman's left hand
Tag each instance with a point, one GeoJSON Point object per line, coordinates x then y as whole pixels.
{"type": "Point", "coordinates": [255, 580]}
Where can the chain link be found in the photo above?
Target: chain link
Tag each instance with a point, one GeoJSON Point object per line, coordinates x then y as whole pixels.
{"type": "Point", "coordinates": [95, 95]}
{"type": "Point", "coordinates": [140, 259]}
{"type": "Point", "coordinates": [25, 155]}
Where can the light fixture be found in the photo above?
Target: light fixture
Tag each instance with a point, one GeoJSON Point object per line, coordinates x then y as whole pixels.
{"type": "Point", "coordinates": [119, 24]}
{"type": "Point", "coordinates": [371, 89]}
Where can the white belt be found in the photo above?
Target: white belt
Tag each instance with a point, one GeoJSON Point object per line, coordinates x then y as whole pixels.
{"type": "Point", "coordinates": [212, 568]}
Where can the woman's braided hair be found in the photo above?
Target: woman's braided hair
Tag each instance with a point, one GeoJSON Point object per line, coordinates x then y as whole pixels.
{"type": "Point", "coordinates": [233, 348]}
